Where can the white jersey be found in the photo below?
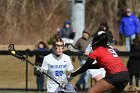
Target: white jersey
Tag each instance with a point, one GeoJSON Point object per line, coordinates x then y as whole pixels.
{"type": "Point", "coordinates": [57, 69]}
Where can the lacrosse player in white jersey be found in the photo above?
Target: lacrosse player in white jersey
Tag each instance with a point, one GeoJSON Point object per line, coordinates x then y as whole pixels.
{"type": "Point", "coordinates": [57, 64]}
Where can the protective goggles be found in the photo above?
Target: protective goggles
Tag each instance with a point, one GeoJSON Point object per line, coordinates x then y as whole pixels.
{"type": "Point", "coordinates": [59, 46]}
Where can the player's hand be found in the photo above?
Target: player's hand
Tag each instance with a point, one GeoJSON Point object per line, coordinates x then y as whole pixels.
{"type": "Point", "coordinates": [40, 69]}
{"type": "Point", "coordinates": [63, 83]}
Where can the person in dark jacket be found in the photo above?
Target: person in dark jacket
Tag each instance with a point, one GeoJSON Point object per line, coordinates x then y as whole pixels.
{"type": "Point", "coordinates": [129, 27]}
{"type": "Point", "coordinates": [104, 27]}
{"type": "Point", "coordinates": [81, 44]}
{"type": "Point", "coordinates": [66, 32]}
{"type": "Point", "coordinates": [40, 46]}
{"type": "Point", "coordinates": [133, 65]}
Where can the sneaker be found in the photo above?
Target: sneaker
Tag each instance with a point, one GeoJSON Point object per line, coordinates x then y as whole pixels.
{"type": "Point", "coordinates": [77, 87]}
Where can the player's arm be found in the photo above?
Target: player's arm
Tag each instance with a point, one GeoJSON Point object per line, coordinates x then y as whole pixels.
{"type": "Point", "coordinates": [85, 67]}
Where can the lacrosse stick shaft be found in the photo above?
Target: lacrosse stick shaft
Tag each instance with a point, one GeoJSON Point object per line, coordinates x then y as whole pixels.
{"type": "Point", "coordinates": [74, 49]}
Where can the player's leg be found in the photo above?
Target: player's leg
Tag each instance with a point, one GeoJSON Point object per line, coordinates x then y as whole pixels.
{"type": "Point", "coordinates": [103, 86]}
{"type": "Point", "coordinates": [100, 87]}
{"type": "Point", "coordinates": [115, 82]}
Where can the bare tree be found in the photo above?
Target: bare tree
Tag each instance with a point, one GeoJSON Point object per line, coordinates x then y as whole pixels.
{"type": "Point", "coordinates": [26, 21]}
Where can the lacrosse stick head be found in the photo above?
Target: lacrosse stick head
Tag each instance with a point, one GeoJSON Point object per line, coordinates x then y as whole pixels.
{"type": "Point", "coordinates": [11, 48]}
{"type": "Point", "coordinates": [13, 52]}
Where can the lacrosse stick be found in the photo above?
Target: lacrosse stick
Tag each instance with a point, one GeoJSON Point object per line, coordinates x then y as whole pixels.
{"type": "Point", "coordinates": [74, 49]}
{"type": "Point", "coordinates": [18, 55]}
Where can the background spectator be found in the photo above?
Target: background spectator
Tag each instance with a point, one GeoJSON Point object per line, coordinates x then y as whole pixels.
{"type": "Point", "coordinates": [81, 44]}
{"type": "Point", "coordinates": [66, 32]}
{"type": "Point", "coordinates": [40, 46]}
{"type": "Point", "coordinates": [104, 27]}
{"type": "Point", "coordinates": [129, 27]}
{"type": "Point", "coordinates": [134, 65]}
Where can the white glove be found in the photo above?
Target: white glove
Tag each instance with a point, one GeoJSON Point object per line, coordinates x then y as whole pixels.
{"type": "Point", "coordinates": [63, 83]}
{"type": "Point", "coordinates": [40, 69]}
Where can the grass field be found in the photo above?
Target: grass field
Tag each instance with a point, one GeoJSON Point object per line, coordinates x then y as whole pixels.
{"type": "Point", "coordinates": [29, 92]}
{"type": "Point", "coordinates": [46, 92]}
{"type": "Point", "coordinates": [26, 92]}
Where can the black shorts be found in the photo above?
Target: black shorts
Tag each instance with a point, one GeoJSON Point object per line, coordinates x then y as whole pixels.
{"type": "Point", "coordinates": [119, 80]}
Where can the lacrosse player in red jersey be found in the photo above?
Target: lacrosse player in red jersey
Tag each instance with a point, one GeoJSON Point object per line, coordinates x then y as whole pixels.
{"type": "Point", "coordinates": [117, 76]}
{"type": "Point", "coordinates": [57, 64]}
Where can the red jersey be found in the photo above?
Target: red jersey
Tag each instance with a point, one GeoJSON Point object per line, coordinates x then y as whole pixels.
{"type": "Point", "coordinates": [107, 58]}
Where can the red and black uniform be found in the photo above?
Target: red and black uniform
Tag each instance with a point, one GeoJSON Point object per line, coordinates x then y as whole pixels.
{"type": "Point", "coordinates": [107, 58]}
